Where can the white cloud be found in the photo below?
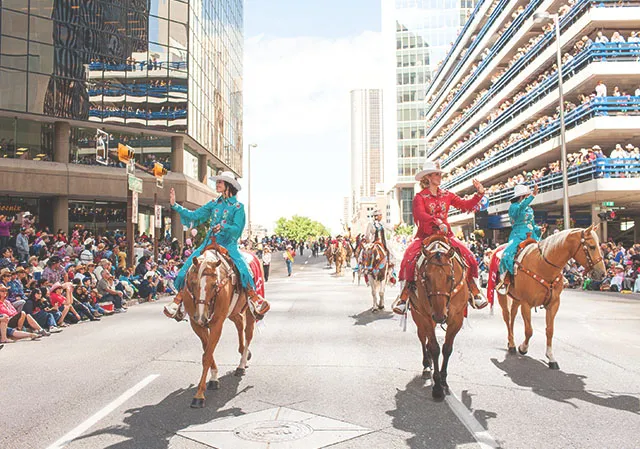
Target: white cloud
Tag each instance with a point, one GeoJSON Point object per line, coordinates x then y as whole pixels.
{"type": "Point", "coordinates": [297, 109]}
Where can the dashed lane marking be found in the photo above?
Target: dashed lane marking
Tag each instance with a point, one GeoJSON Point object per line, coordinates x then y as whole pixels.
{"type": "Point", "coordinates": [92, 420]}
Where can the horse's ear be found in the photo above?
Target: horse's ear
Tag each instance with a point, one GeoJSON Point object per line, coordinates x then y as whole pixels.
{"type": "Point", "coordinates": [217, 263]}
{"type": "Point", "coordinates": [451, 252]}
{"type": "Point", "coordinates": [594, 227]}
{"type": "Point", "coordinates": [196, 262]}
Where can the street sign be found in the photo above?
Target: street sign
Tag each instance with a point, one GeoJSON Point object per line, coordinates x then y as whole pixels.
{"type": "Point", "coordinates": [608, 203]}
{"type": "Point", "coordinates": [131, 168]}
{"type": "Point", "coordinates": [134, 207]}
{"type": "Point", "coordinates": [135, 184]}
{"type": "Point", "coordinates": [158, 214]}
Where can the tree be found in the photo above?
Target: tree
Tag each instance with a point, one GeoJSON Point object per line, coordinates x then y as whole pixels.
{"type": "Point", "coordinates": [405, 229]}
{"type": "Point", "coordinates": [299, 228]}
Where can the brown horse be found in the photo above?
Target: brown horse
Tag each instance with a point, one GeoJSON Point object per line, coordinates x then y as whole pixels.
{"type": "Point", "coordinates": [440, 297]}
{"type": "Point", "coordinates": [329, 252]}
{"type": "Point", "coordinates": [339, 258]}
{"type": "Point", "coordinates": [211, 295]}
{"type": "Point", "coordinates": [539, 282]}
{"type": "Point", "coordinates": [359, 255]}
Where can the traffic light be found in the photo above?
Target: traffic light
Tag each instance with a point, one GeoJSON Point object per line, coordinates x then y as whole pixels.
{"type": "Point", "coordinates": [125, 153]}
{"type": "Point", "coordinates": [159, 171]}
{"type": "Point", "coordinates": [608, 215]}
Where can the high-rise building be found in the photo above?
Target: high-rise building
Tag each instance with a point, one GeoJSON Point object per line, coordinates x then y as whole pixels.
{"type": "Point", "coordinates": [417, 34]}
{"type": "Point", "coordinates": [161, 76]}
{"type": "Point", "coordinates": [493, 114]}
{"type": "Point", "coordinates": [367, 152]}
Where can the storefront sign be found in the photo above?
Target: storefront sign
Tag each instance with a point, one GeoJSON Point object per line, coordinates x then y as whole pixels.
{"type": "Point", "coordinates": [158, 216]}
{"type": "Point", "coordinates": [135, 184]}
{"type": "Point", "coordinates": [134, 207]}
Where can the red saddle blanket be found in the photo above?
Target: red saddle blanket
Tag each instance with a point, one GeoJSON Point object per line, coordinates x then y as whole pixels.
{"type": "Point", "coordinates": [256, 270]}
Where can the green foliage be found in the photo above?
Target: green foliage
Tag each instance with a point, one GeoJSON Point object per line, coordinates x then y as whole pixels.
{"type": "Point", "coordinates": [300, 228]}
{"type": "Point", "coordinates": [405, 229]}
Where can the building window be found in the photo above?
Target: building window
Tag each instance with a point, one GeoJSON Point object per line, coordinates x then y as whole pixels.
{"type": "Point", "coordinates": [406, 205]}
{"type": "Point", "coordinates": [190, 163]}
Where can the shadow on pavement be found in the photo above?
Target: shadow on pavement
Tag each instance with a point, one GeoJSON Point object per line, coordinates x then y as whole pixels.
{"type": "Point", "coordinates": [560, 386]}
{"type": "Point", "coordinates": [153, 426]}
{"type": "Point", "coordinates": [482, 416]}
{"type": "Point", "coordinates": [432, 424]}
{"type": "Point", "coordinates": [367, 317]}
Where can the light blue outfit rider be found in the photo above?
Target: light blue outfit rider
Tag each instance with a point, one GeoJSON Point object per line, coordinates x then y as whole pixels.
{"type": "Point", "coordinates": [229, 214]}
{"type": "Point", "coordinates": [522, 223]}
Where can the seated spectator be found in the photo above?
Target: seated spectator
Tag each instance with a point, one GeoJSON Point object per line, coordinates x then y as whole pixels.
{"type": "Point", "coordinates": [42, 311]}
{"type": "Point", "coordinates": [17, 319]}
{"type": "Point", "coordinates": [10, 334]}
{"type": "Point", "coordinates": [108, 293]}
{"type": "Point", "coordinates": [81, 302]}
{"type": "Point", "coordinates": [60, 298]}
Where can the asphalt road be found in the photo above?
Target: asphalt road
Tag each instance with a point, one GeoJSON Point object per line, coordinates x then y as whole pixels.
{"type": "Point", "coordinates": [345, 376]}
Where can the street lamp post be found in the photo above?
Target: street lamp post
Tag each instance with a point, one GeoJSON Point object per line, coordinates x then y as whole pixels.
{"type": "Point", "coordinates": [251, 145]}
{"type": "Point", "coordinates": [540, 17]}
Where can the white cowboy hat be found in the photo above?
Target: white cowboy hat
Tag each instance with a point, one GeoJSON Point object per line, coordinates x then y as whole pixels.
{"type": "Point", "coordinates": [377, 212]}
{"type": "Point", "coordinates": [521, 190]}
{"type": "Point", "coordinates": [228, 177]}
{"type": "Point", "coordinates": [428, 168]}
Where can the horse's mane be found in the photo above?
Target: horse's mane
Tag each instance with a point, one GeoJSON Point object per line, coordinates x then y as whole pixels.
{"type": "Point", "coordinates": [554, 241]}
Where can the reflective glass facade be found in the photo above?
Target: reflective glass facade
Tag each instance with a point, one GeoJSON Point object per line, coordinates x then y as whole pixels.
{"type": "Point", "coordinates": [128, 62]}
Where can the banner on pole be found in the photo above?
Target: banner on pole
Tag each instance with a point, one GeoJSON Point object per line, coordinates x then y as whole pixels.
{"type": "Point", "coordinates": [158, 214]}
{"type": "Point", "coordinates": [134, 207]}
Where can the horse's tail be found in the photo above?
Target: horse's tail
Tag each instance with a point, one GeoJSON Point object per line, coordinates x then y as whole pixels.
{"type": "Point", "coordinates": [494, 264]}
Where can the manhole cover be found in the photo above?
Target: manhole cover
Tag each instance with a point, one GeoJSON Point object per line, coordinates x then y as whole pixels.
{"type": "Point", "coordinates": [273, 431]}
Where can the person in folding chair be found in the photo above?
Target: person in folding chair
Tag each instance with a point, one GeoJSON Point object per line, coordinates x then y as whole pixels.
{"type": "Point", "coordinates": [227, 224]}
{"type": "Point", "coordinates": [431, 212]}
{"type": "Point", "coordinates": [523, 227]}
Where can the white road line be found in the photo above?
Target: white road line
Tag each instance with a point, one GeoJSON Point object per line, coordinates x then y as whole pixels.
{"type": "Point", "coordinates": [482, 436]}
{"type": "Point", "coordinates": [91, 421]}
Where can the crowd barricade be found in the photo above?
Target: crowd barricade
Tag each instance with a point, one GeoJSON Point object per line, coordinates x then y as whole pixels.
{"type": "Point", "coordinates": [581, 7]}
{"type": "Point", "coordinates": [595, 52]}
{"type": "Point", "coordinates": [599, 106]}
{"type": "Point", "coordinates": [598, 169]}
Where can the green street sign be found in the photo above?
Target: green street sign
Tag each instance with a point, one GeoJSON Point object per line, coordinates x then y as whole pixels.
{"type": "Point", "coordinates": [608, 204]}
{"type": "Point", "coordinates": [135, 184]}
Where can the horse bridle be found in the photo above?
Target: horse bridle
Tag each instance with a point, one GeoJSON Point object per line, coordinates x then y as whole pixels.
{"type": "Point", "coordinates": [587, 254]}
{"type": "Point", "coordinates": [218, 287]}
{"type": "Point", "coordinates": [454, 289]}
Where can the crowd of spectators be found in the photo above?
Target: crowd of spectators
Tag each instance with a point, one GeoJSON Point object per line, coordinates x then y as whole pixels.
{"type": "Point", "coordinates": [623, 270]}
{"type": "Point", "coordinates": [582, 44]}
{"type": "Point", "coordinates": [132, 64]}
{"type": "Point", "coordinates": [165, 112]}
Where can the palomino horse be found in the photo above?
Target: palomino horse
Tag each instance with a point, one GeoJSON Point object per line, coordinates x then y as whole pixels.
{"type": "Point", "coordinates": [339, 258]}
{"type": "Point", "coordinates": [539, 282]}
{"type": "Point", "coordinates": [349, 252]}
{"type": "Point", "coordinates": [377, 272]}
{"type": "Point", "coordinates": [211, 295]}
{"type": "Point", "coordinates": [441, 297]}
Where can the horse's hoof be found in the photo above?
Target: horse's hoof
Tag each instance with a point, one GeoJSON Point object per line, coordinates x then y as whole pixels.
{"type": "Point", "coordinates": [437, 393]}
{"type": "Point", "coordinates": [426, 373]}
{"type": "Point", "coordinates": [381, 307]}
{"type": "Point", "coordinates": [512, 350]}
{"type": "Point", "coordinates": [554, 365]}
{"type": "Point", "coordinates": [213, 385]}
{"type": "Point", "coordinates": [197, 403]}
{"type": "Point", "coordinates": [240, 372]}
{"type": "Point", "coordinates": [374, 310]}
{"type": "Point", "coordinates": [249, 356]}
{"type": "Point", "coordinates": [521, 351]}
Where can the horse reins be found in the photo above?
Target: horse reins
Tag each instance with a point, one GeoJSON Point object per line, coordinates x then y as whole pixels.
{"type": "Point", "coordinates": [455, 289]}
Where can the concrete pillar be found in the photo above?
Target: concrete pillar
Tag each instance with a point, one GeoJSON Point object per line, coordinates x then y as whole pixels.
{"type": "Point", "coordinates": [202, 169]}
{"type": "Point", "coordinates": [177, 154]}
{"type": "Point", "coordinates": [61, 213]}
{"type": "Point", "coordinates": [61, 146]}
{"type": "Point", "coordinates": [176, 227]}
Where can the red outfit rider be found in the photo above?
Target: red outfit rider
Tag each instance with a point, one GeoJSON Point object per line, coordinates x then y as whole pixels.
{"type": "Point", "coordinates": [431, 212]}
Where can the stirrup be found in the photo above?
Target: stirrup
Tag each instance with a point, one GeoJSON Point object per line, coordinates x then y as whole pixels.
{"type": "Point", "coordinates": [171, 309]}
{"type": "Point", "coordinates": [399, 306]}
{"type": "Point", "coordinates": [479, 302]}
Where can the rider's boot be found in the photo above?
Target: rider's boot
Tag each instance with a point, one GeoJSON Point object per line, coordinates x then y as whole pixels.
{"type": "Point", "coordinates": [400, 305]}
{"type": "Point", "coordinates": [172, 310]}
{"type": "Point", "coordinates": [477, 300]}
{"type": "Point", "coordinates": [258, 305]}
{"type": "Point", "coordinates": [503, 285]}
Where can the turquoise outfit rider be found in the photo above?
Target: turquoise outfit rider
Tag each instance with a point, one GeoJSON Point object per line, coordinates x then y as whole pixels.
{"type": "Point", "coordinates": [229, 214]}
{"type": "Point", "coordinates": [522, 223]}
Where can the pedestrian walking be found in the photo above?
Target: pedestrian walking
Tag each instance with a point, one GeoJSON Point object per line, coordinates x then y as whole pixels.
{"type": "Point", "coordinates": [288, 255]}
{"type": "Point", "coordinates": [266, 262]}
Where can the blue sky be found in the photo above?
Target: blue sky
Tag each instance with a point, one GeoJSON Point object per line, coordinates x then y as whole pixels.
{"type": "Point", "coordinates": [326, 18]}
{"type": "Point", "coordinates": [301, 60]}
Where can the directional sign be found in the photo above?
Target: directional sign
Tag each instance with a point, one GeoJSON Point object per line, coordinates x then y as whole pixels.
{"type": "Point", "coordinates": [134, 207]}
{"type": "Point", "coordinates": [135, 184]}
{"type": "Point", "coordinates": [608, 204]}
